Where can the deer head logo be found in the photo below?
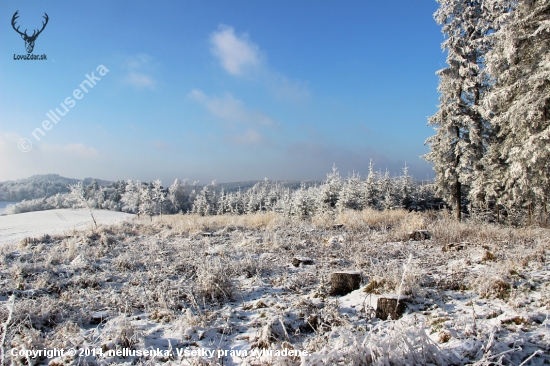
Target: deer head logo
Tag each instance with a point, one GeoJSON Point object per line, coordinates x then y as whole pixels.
{"type": "Point", "coordinates": [29, 40]}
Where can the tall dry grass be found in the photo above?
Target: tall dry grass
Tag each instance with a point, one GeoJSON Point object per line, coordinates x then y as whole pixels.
{"type": "Point", "coordinates": [196, 223]}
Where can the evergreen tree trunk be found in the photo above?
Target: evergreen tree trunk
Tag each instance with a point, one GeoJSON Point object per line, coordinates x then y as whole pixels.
{"type": "Point", "coordinates": [545, 208]}
{"type": "Point", "coordinates": [458, 203]}
{"type": "Point", "coordinates": [462, 132]}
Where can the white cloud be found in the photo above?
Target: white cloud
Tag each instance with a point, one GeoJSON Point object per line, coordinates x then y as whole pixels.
{"type": "Point", "coordinates": [237, 54]}
{"type": "Point", "coordinates": [140, 80]}
{"type": "Point", "coordinates": [230, 109]}
{"type": "Point", "coordinates": [140, 67]}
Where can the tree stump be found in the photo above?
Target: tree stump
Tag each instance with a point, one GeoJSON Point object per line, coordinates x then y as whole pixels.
{"type": "Point", "coordinates": [296, 261]}
{"type": "Point", "coordinates": [388, 306]}
{"type": "Point", "coordinates": [99, 317]}
{"type": "Point", "coordinates": [419, 235]}
{"type": "Point", "coordinates": [344, 282]}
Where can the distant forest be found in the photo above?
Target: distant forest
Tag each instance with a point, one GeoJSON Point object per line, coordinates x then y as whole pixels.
{"type": "Point", "coordinates": [378, 190]}
{"type": "Point", "coordinates": [48, 185]}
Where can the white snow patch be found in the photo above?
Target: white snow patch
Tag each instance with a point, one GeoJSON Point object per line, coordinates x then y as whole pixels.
{"type": "Point", "coordinates": [39, 223]}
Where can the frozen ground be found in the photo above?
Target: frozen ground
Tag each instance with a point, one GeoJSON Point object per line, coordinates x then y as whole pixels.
{"type": "Point", "coordinates": [53, 222]}
{"type": "Point", "coordinates": [219, 290]}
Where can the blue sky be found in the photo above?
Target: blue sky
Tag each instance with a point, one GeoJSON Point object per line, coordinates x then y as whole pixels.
{"type": "Point", "coordinates": [226, 90]}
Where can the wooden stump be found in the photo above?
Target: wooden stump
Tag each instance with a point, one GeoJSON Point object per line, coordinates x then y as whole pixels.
{"type": "Point", "coordinates": [419, 235]}
{"type": "Point", "coordinates": [388, 306]}
{"type": "Point", "coordinates": [99, 317]}
{"type": "Point", "coordinates": [344, 282]}
{"type": "Point", "coordinates": [296, 261]}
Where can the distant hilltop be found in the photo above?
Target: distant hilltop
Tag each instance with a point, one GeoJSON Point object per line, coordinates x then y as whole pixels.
{"type": "Point", "coordinates": [38, 186]}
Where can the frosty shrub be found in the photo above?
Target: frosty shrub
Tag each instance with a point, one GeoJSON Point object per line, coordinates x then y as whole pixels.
{"type": "Point", "coordinates": [119, 333]}
{"type": "Point", "coordinates": [214, 279]}
{"type": "Point", "coordinates": [401, 342]}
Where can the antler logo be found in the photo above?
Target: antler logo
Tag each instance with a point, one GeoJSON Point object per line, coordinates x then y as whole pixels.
{"type": "Point", "coordinates": [29, 40]}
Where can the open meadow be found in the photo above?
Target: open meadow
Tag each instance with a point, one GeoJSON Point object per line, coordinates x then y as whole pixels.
{"type": "Point", "coordinates": [227, 287]}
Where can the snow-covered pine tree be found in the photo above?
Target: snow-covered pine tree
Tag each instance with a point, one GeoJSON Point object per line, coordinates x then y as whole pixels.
{"type": "Point", "coordinates": [387, 190]}
{"type": "Point", "coordinates": [405, 189]}
{"type": "Point", "coordinates": [302, 203]}
{"type": "Point", "coordinates": [518, 160]}
{"type": "Point", "coordinates": [458, 146]}
{"type": "Point", "coordinates": [159, 196]}
{"type": "Point", "coordinates": [224, 204]}
{"type": "Point", "coordinates": [371, 187]}
{"type": "Point", "coordinates": [205, 202]}
{"type": "Point", "coordinates": [146, 200]}
{"type": "Point", "coordinates": [173, 196]}
{"type": "Point", "coordinates": [330, 191]}
{"type": "Point", "coordinates": [131, 197]}
{"type": "Point", "coordinates": [237, 203]}
{"type": "Point", "coordinates": [352, 194]}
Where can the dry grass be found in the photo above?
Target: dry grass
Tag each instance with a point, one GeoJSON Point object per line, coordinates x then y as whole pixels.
{"type": "Point", "coordinates": [185, 224]}
{"type": "Point", "coordinates": [179, 269]}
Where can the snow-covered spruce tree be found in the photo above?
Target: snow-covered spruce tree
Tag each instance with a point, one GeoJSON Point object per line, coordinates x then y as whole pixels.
{"type": "Point", "coordinates": [274, 194]}
{"type": "Point", "coordinates": [330, 191]}
{"type": "Point", "coordinates": [256, 197]}
{"type": "Point", "coordinates": [224, 204]}
{"type": "Point", "coordinates": [131, 197]}
{"type": "Point", "coordinates": [405, 189]}
{"type": "Point", "coordinates": [173, 196]}
{"type": "Point", "coordinates": [237, 203]}
{"type": "Point", "coordinates": [180, 196]}
{"type": "Point", "coordinates": [303, 202]}
{"type": "Point", "coordinates": [518, 160]}
{"type": "Point", "coordinates": [159, 196]}
{"type": "Point", "coordinates": [387, 191]}
{"type": "Point", "coordinates": [371, 187]}
{"type": "Point", "coordinates": [352, 195]}
{"type": "Point", "coordinates": [146, 200]}
{"type": "Point", "coordinates": [205, 202]}
{"type": "Point", "coordinates": [458, 146]}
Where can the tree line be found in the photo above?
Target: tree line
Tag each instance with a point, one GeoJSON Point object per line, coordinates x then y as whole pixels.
{"type": "Point", "coordinates": [491, 149]}
{"type": "Point", "coordinates": [378, 190]}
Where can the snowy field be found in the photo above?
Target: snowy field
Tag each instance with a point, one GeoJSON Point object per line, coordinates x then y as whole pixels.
{"type": "Point", "coordinates": [52, 222]}
{"type": "Point", "coordinates": [228, 290]}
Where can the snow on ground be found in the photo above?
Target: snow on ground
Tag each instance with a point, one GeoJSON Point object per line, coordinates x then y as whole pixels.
{"type": "Point", "coordinates": [52, 222]}
{"type": "Point", "coordinates": [207, 294]}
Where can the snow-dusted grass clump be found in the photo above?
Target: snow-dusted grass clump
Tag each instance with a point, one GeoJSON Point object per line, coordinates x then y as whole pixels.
{"type": "Point", "coordinates": [475, 292]}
